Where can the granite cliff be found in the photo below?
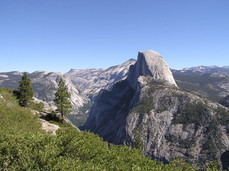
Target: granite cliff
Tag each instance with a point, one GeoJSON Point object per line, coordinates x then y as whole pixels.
{"type": "Point", "coordinates": [147, 110]}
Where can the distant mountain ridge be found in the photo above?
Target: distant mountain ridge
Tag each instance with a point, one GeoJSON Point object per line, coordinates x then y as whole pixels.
{"type": "Point", "coordinates": [84, 84]}
{"type": "Point", "coordinates": [211, 82]}
{"type": "Point", "coordinates": [91, 81]}
{"type": "Point", "coordinates": [208, 69]}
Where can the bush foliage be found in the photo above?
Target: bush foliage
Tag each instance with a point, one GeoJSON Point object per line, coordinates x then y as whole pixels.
{"type": "Point", "coordinates": [24, 146]}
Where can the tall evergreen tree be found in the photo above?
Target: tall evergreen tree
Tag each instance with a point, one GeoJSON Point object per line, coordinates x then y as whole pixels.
{"type": "Point", "coordinates": [25, 91]}
{"type": "Point", "coordinates": [62, 99]}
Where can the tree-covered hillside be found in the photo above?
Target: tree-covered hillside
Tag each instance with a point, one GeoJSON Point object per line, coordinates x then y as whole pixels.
{"type": "Point", "coordinates": [24, 146]}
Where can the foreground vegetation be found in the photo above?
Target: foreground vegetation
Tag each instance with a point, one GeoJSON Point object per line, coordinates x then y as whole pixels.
{"type": "Point", "coordinates": [24, 146]}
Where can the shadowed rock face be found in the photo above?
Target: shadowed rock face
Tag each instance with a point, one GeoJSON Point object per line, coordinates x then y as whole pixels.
{"type": "Point", "coordinates": [225, 160]}
{"type": "Point", "coordinates": [109, 112]}
{"type": "Point", "coordinates": [225, 101]}
{"type": "Point", "coordinates": [148, 107]}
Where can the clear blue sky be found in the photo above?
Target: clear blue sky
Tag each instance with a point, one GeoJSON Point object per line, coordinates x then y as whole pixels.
{"type": "Point", "coordinates": [57, 35]}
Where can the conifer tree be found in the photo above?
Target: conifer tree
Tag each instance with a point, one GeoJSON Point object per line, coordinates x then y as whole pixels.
{"type": "Point", "coordinates": [62, 99]}
{"type": "Point", "coordinates": [25, 91]}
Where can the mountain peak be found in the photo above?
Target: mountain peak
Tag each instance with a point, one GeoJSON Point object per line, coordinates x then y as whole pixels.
{"type": "Point", "coordinates": [150, 63]}
{"type": "Point", "coordinates": [150, 53]}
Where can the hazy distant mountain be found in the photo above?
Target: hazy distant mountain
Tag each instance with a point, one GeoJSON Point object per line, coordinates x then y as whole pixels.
{"type": "Point", "coordinates": [210, 82]}
{"type": "Point", "coordinates": [91, 81]}
{"type": "Point", "coordinates": [207, 69]}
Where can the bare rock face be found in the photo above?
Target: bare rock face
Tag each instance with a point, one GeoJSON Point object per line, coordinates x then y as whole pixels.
{"type": "Point", "coordinates": [48, 127]}
{"type": "Point", "coordinates": [172, 123]}
{"type": "Point", "coordinates": [148, 111]}
{"type": "Point", "coordinates": [151, 64]}
{"type": "Point", "coordinates": [45, 85]}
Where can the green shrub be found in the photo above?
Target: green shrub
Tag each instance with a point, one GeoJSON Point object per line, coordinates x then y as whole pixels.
{"type": "Point", "coordinates": [24, 146]}
{"type": "Point", "coordinates": [192, 113]}
{"type": "Point", "coordinates": [37, 106]}
{"type": "Point", "coordinates": [145, 106]}
{"type": "Point", "coordinates": [222, 116]}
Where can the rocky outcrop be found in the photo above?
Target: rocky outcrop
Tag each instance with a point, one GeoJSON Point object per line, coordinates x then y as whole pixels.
{"type": "Point", "coordinates": [148, 111]}
{"type": "Point", "coordinates": [48, 127]}
{"type": "Point", "coordinates": [173, 123]}
{"type": "Point", "coordinates": [151, 64]}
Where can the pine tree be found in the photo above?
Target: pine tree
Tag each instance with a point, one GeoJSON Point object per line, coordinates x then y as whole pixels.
{"type": "Point", "coordinates": [25, 91]}
{"type": "Point", "coordinates": [62, 99]}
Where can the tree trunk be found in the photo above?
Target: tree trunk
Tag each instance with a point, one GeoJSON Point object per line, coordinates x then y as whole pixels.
{"type": "Point", "coordinates": [62, 117]}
